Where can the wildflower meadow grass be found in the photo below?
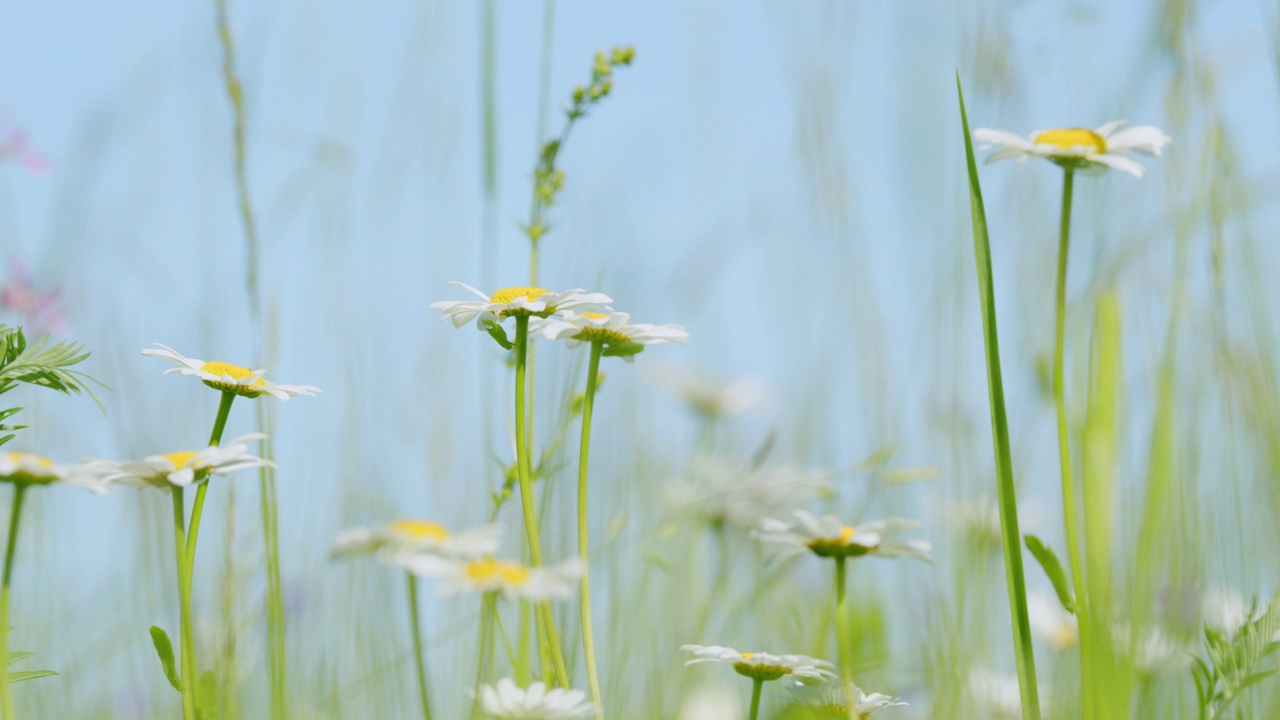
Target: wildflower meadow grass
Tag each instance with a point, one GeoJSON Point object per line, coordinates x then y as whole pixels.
{"type": "Point", "coordinates": [688, 361]}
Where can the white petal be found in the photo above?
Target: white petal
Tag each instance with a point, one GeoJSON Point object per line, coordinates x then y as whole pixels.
{"type": "Point", "coordinates": [1143, 138]}
{"type": "Point", "coordinates": [1119, 162]}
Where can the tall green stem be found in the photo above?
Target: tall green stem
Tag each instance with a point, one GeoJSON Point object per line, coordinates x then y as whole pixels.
{"type": "Point", "coordinates": [15, 514]}
{"type": "Point", "coordinates": [187, 651]}
{"type": "Point", "coordinates": [1070, 520]}
{"type": "Point", "coordinates": [419, 660]}
{"type": "Point", "coordinates": [487, 610]}
{"type": "Point", "coordinates": [275, 587]}
{"type": "Point", "coordinates": [197, 509]}
{"type": "Point", "coordinates": [756, 687]}
{"type": "Point", "coordinates": [584, 587]}
{"type": "Point", "coordinates": [525, 475]}
{"type": "Point", "coordinates": [843, 641]}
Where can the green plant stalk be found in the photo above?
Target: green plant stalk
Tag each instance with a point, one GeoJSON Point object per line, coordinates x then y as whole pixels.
{"type": "Point", "coordinates": [420, 662]}
{"type": "Point", "coordinates": [1011, 538]}
{"type": "Point", "coordinates": [756, 687]}
{"type": "Point", "coordinates": [187, 653]}
{"type": "Point", "coordinates": [15, 514]}
{"type": "Point", "coordinates": [1070, 520]}
{"type": "Point", "coordinates": [487, 610]}
{"type": "Point", "coordinates": [275, 587]}
{"type": "Point", "coordinates": [197, 509]}
{"type": "Point", "coordinates": [843, 641]}
{"type": "Point", "coordinates": [584, 586]}
{"type": "Point", "coordinates": [550, 639]}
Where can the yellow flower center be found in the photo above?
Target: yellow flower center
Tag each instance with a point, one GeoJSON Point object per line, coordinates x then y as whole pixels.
{"type": "Point", "coordinates": [219, 368]}
{"type": "Point", "coordinates": [507, 295]}
{"type": "Point", "coordinates": [179, 459]}
{"type": "Point", "coordinates": [1064, 636]}
{"type": "Point", "coordinates": [39, 460]}
{"type": "Point", "coordinates": [595, 315]}
{"type": "Point", "coordinates": [1072, 138]}
{"type": "Point", "coordinates": [846, 534]}
{"type": "Point", "coordinates": [505, 570]}
{"type": "Point", "coordinates": [420, 529]}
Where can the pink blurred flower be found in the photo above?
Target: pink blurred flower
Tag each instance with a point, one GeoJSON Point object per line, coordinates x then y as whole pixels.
{"type": "Point", "coordinates": [37, 309]}
{"type": "Point", "coordinates": [14, 145]}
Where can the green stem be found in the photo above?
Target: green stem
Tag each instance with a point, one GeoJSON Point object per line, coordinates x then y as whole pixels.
{"type": "Point", "coordinates": [1070, 520]}
{"type": "Point", "coordinates": [524, 473]}
{"type": "Point", "coordinates": [15, 514]}
{"type": "Point", "coordinates": [487, 610]}
{"type": "Point", "coordinates": [756, 687]}
{"type": "Point", "coordinates": [187, 649]}
{"type": "Point", "coordinates": [584, 587]}
{"type": "Point", "coordinates": [275, 587]}
{"type": "Point", "coordinates": [843, 641]}
{"type": "Point", "coordinates": [418, 658]}
{"type": "Point", "coordinates": [197, 509]}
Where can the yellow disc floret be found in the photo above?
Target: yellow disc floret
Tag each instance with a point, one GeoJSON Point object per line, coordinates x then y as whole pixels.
{"type": "Point", "coordinates": [846, 533]}
{"type": "Point", "coordinates": [1072, 138]}
{"type": "Point", "coordinates": [179, 459]}
{"type": "Point", "coordinates": [40, 460]}
{"type": "Point", "coordinates": [507, 295]}
{"type": "Point", "coordinates": [235, 372]}
{"type": "Point", "coordinates": [507, 571]}
{"type": "Point", "coordinates": [420, 529]}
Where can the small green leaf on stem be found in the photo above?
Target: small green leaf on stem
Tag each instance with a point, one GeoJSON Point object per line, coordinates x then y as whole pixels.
{"type": "Point", "coordinates": [1052, 568]}
{"type": "Point", "coordinates": [164, 649]}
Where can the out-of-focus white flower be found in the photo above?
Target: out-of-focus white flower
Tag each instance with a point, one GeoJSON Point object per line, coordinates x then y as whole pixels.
{"type": "Point", "coordinates": [182, 468]}
{"type": "Point", "coordinates": [227, 377]}
{"type": "Point", "coordinates": [510, 577]}
{"type": "Point", "coordinates": [761, 665]}
{"type": "Point", "coordinates": [1224, 608]}
{"type": "Point", "coordinates": [828, 701]}
{"type": "Point", "coordinates": [512, 301]}
{"type": "Point", "coordinates": [740, 497]}
{"type": "Point", "coordinates": [1051, 621]}
{"type": "Point", "coordinates": [714, 398]}
{"type": "Point", "coordinates": [27, 469]}
{"type": "Point", "coordinates": [712, 702]}
{"type": "Point", "coordinates": [828, 536]}
{"type": "Point", "coordinates": [1153, 651]}
{"type": "Point", "coordinates": [1096, 149]}
{"type": "Point", "coordinates": [395, 542]}
{"type": "Point", "coordinates": [998, 695]}
{"type": "Point", "coordinates": [507, 700]}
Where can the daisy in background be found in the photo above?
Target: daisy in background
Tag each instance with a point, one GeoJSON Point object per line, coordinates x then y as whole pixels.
{"type": "Point", "coordinates": [28, 469]}
{"type": "Point", "coordinates": [514, 301]}
{"type": "Point", "coordinates": [227, 377]}
{"type": "Point", "coordinates": [1153, 651]}
{"type": "Point", "coordinates": [828, 701]}
{"type": "Point", "coordinates": [536, 702]}
{"type": "Point", "coordinates": [184, 467]}
{"type": "Point", "coordinates": [998, 696]}
{"type": "Point", "coordinates": [723, 494]}
{"type": "Point", "coordinates": [711, 702]}
{"type": "Point", "coordinates": [828, 536]}
{"type": "Point", "coordinates": [761, 667]}
{"type": "Point", "coordinates": [612, 330]}
{"type": "Point", "coordinates": [713, 398]}
{"type": "Point", "coordinates": [510, 578]}
{"type": "Point", "coordinates": [1079, 148]}
{"type": "Point", "coordinates": [394, 542]}
{"type": "Point", "coordinates": [1051, 621]}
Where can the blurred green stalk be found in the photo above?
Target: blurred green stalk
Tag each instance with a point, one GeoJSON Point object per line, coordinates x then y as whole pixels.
{"type": "Point", "coordinates": [15, 514]}
{"type": "Point", "coordinates": [1011, 540]}
{"type": "Point", "coordinates": [420, 662]}
{"type": "Point", "coordinates": [584, 587]}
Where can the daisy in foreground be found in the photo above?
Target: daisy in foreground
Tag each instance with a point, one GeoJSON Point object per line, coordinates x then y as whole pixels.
{"type": "Point", "coordinates": [827, 536]}
{"type": "Point", "coordinates": [828, 701]}
{"type": "Point", "coordinates": [395, 542]}
{"type": "Point", "coordinates": [227, 377]}
{"type": "Point", "coordinates": [185, 467]}
{"type": "Point", "coordinates": [512, 578]}
{"type": "Point", "coordinates": [536, 702]}
{"type": "Point", "coordinates": [1098, 149]}
{"type": "Point", "coordinates": [516, 301]}
{"type": "Point", "coordinates": [761, 667]}
{"type": "Point", "coordinates": [613, 330]}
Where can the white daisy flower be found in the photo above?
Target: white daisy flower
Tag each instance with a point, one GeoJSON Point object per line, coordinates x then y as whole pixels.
{"type": "Point", "coordinates": [394, 542]}
{"type": "Point", "coordinates": [22, 468]}
{"type": "Point", "coordinates": [828, 701]}
{"type": "Point", "coordinates": [999, 695]}
{"type": "Point", "coordinates": [227, 377]}
{"type": "Point", "coordinates": [182, 468]}
{"type": "Point", "coordinates": [613, 329]}
{"type": "Point", "coordinates": [512, 578]}
{"type": "Point", "coordinates": [1153, 651]}
{"type": "Point", "coordinates": [1079, 147]}
{"type": "Point", "coordinates": [827, 536]}
{"type": "Point", "coordinates": [724, 494]}
{"type": "Point", "coordinates": [1051, 621]}
{"type": "Point", "coordinates": [712, 702]}
{"type": "Point", "coordinates": [762, 665]}
{"type": "Point", "coordinates": [512, 301]}
{"type": "Point", "coordinates": [713, 398]}
{"type": "Point", "coordinates": [536, 702]}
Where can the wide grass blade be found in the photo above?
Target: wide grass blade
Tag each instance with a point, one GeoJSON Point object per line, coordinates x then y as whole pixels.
{"type": "Point", "coordinates": [1011, 539]}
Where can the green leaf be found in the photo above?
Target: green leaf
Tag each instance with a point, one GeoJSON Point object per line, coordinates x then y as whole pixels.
{"type": "Point", "coordinates": [164, 649]}
{"type": "Point", "coordinates": [1014, 575]}
{"type": "Point", "coordinates": [18, 655]}
{"type": "Point", "coordinates": [499, 335]}
{"type": "Point", "coordinates": [29, 675]}
{"type": "Point", "coordinates": [207, 697]}
{"type": "Point", "coordinates": [622, 349]}
{"type": "Point", "coordinates": [43, 365]}
{"type": "Point", "coordinates": [1052, 568]}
